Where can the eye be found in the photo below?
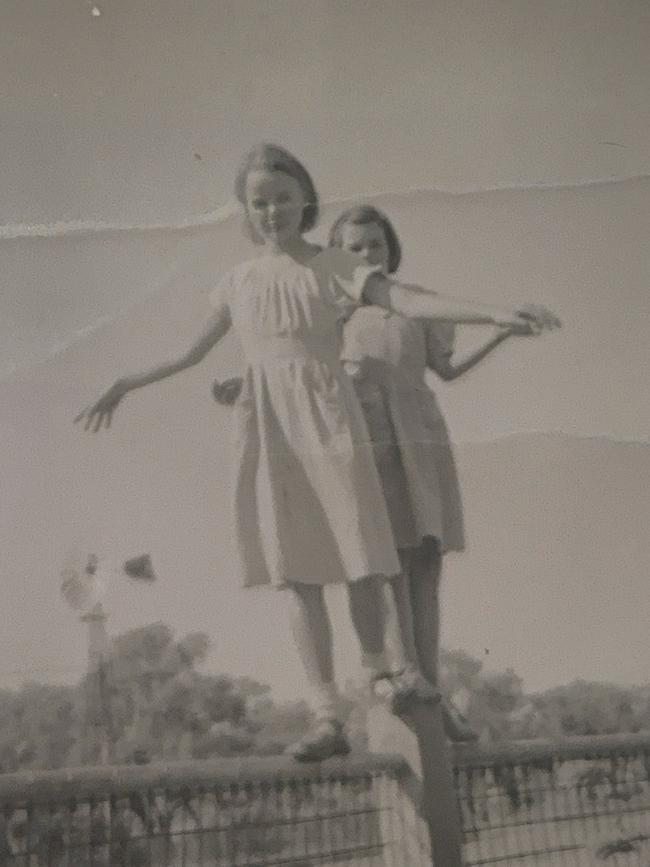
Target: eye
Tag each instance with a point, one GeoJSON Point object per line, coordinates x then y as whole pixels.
{"type": "Point", "coordinates": [355, 248]}
{"type": "Point", "coordinates": [283, 198]}
{"type": "Point", "coordinates": [258, 204]}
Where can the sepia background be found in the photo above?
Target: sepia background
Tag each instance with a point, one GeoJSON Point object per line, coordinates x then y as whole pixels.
{"type": "Point", "coordinates": [510, 142]}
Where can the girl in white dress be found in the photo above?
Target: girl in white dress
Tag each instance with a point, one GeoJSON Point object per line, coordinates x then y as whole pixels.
{"type": "Point", "coordinates": [387, 356]}
{"type": "Point", "coordinates": [308, 503]}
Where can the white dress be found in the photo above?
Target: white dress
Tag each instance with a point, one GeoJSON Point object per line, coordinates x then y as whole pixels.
{"type": "Point", "coordinates": [387, 357]}
{"type": "Point", "coordinates": [308, 500]}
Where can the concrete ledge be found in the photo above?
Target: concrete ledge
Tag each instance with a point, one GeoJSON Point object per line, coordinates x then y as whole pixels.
{"type": "Point", "coordinates": [118, 780]}
{"type": "Point", "coordinates": [559, 749]}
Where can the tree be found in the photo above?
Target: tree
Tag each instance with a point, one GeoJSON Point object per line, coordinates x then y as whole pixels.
{"type": "Point", "coordinates": [38, 726]}
{"type": "Point", "coordinates": [588, 708]}
{"type": "Point", "coordinates": [164, 706]}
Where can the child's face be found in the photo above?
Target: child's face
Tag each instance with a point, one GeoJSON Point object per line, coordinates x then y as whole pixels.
{"type": "Point", "coordinates": [368, 241]}
{"type": "Point", "coordinates": [274, 206]}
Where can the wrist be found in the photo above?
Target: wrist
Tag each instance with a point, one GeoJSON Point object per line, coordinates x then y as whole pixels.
{"type": "Point", "coordinates": [127, 383]}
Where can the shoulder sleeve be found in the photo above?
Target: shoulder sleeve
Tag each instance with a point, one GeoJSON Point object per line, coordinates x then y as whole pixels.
{"type": "Point", "coordinates": [440, 338]}
{"type": "Point", "coordinates": [348, 274]}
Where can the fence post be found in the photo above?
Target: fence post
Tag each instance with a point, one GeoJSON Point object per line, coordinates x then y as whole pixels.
{"type": "Point", "coordinates": [420, 739]}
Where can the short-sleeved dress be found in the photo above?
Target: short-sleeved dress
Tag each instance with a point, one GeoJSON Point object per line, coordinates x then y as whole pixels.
{"type": "Point", "coordinates": [387, 357]}
{"type": "Point", "coordinates": [308, 502]}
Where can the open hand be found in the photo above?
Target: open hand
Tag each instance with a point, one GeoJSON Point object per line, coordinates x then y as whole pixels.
{"type": "Point", "coordinates": [226, 393]}
{"type": "Point", "coordinates": [101, 413]}
{"type": "Point", "coordinates": [523, 328]}
{"type": "Point", "coordinates": [540, 317]}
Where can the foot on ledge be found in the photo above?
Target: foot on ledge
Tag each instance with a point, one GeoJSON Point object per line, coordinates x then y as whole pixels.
{"type": "Point", "coordinates": [401, 689]}
{"type": "Point", "coordinates": [457, 727]}
{"type": "Point", "coordinates": [412, 686]}
{"type": "Point", "coordinates": [324, 741]}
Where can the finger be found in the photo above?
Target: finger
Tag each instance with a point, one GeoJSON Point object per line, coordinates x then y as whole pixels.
{"type": "Point", "coordinates": [534, 327]}
{"type": "Point", "coordinates": [90, 415]}
{"type": "Point", "coordinates": [80, 416]}
{"type": "Point", "coordinates": [546, 316]}
{"type": "Point", "coordinates": [529, 316]}
{"type": "Point", "coordinates": [539, 314]}
{"type": "Point", "coordinates": [99, 421]}
{"type": "Point", "coordinates": [552, 321]}
{"type": "Point", "coordinates": [108, 414]}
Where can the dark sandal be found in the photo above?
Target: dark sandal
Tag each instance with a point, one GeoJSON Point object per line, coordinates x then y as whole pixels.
{"type": "Point", "coordinates": [457, 727]}
{"type": "Point", "coordinates": [324, 742]}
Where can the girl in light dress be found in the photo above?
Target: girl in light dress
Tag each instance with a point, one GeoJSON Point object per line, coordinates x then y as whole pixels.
{"type": "Point", "coordinates": [307, 499]}
{"type": "Point", "coordinates": [387, 356]}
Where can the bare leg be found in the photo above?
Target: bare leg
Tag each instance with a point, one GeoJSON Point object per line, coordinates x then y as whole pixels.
{"type": "Point", "coordinates": [424, 574]}
{"type": "Point", "coordinates": [424, 585]}
{"type": "Point", "coordinates": [368, 614]}
{"type": "Point", "coordinates": [405, 650]}
{"type": "Point", "coordinates": [410, 682]}
{"type": "Point", "coordinates": [312, 634]}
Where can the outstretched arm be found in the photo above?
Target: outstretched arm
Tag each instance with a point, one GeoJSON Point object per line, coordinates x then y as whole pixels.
{"type": "Point", "coordinates": [440, 352]}
{"type": "Point", "coordinates": [448, 370]}
{"type": "Point", "coordinates": [101, 413]}
{"type": "Point", "coordinates": [413, 302]}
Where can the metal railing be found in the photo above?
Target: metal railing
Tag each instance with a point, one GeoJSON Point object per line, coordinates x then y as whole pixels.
{"type": "Point", "coordinates": [578, 802]}
{"type": "Point", "coordinates": [223, 813]}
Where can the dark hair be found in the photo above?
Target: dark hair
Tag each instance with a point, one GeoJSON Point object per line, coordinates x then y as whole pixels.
{"type": "Point", "coordinates": [273, 158]}
{"type": "Point", "coordinates": [361, 216]}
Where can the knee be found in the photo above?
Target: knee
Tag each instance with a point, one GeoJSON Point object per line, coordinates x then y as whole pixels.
{"type": "Point", "coordinates": [309, 596]}
{"type": "Point", "coordinates": [365, 588]}
{"type": "Point", "coordinates": [427, 561]}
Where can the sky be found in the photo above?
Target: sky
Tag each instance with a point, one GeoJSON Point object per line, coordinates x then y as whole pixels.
{"type": "Point", "coordinates": [510, 143]}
